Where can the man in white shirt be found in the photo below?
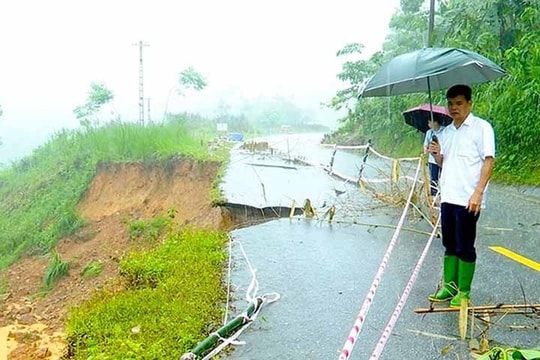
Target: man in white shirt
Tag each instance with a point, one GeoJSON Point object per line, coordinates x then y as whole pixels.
{"type": "Point", "coordinates": [466, 154]}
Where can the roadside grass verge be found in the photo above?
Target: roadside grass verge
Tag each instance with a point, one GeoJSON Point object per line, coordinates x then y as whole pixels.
{"type": "Point", "coordinates": [171, 297]}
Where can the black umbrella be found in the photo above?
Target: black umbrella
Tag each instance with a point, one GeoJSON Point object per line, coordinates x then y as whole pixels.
{"type": "Point", "coordinates": [431, 69]}
{"type": "Point", "coordinates": [419, 116]}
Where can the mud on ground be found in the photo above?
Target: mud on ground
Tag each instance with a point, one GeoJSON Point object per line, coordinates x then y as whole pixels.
{"type": "Point", "coordinates": [32, 322]}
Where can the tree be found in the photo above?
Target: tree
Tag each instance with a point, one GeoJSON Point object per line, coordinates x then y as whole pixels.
{"type": "Point", "coordinates": [190, 79]}
{"type": "Point", "coordinates": [354, 72]}
{"type": "Point", "coordinates": [187, 79]}
{"type": "Point", "coordinates": [99, 95]}
{"type": "Point", "coordinates": [406, 34]}
{"type": "Point", "coordinates": [408, 29]}
{"type": "Point", "coordinates": [270, 113]}
{"type": "Point", "coordinates": [505, 31]}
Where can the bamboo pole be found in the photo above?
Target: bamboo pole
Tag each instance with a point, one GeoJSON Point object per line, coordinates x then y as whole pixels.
{"type": "Point", "coordinates": [223, 332]}
{"type": "Point", "coordinates": [485, 308]}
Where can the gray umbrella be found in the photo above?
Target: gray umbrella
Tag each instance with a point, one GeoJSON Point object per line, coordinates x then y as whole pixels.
{"type": "Point", "coordinates": [431, 69]}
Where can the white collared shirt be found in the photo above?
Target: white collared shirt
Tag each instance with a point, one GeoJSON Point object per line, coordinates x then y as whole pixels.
{"type": "Point", "coordinates": [464, 150]}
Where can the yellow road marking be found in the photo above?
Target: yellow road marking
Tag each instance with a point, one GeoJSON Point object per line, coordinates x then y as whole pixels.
{"type": "Point", "coordinates": [516, 257]}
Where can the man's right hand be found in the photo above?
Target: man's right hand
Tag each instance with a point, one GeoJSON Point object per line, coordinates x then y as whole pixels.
{"type": "Point", "coordinates": [434, 148]}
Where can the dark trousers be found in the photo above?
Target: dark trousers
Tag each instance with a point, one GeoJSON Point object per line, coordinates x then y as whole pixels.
{"type": "Point", "coordinates": [458, 227]}
{"type": "Point", "coordinates": [434, 171]}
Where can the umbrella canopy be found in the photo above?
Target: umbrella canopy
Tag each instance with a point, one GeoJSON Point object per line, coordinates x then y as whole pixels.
{"type": "Point", "coordinates": [419, 116]}
{"type": "Point", "coordinates": [431, 69]}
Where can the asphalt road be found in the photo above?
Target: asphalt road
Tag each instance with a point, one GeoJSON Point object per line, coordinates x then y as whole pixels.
{"type": "Point", "coordinates": [323, 271]}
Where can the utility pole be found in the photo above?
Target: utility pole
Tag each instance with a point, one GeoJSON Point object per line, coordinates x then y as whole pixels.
{"type": "Point", "coordinates": [431, 23]}
{"type": "Point", "coordinates": [141, 82]}
{"type": "Point", "coordinates": [148, 106]}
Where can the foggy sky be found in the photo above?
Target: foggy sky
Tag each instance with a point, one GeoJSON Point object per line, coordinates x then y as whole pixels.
{"type": "Point", "coordinates": [53, 50]}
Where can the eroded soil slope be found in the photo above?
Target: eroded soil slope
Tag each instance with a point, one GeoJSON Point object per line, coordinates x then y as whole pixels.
{"type": "Point", "coordinates": [31, 322]}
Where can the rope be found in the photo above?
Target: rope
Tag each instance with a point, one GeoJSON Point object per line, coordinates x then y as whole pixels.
{"type": "Point", "coordinates": [397, 311]}
{"type": "Point", "coordinates": [254, 302]}
{"type": "Point", "coordinates": [392, 159]}
{"type": "Point", "coordinates": [346, 147]}
{"type": "Point", "coordinates": [357, 327]}
{"type": "Point", "coordinates": [254, 283]}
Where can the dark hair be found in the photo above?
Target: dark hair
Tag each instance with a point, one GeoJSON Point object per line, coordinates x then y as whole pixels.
{"type": "Point", "coordinates": [457, 90]}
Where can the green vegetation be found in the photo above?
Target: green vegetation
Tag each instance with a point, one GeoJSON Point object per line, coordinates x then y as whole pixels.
{"type": "Point", "coordinates": [150, 230]}
{"type": "Point", "coordinates": [507, 32]}
{"type": "Point", "coordinates": [57, 268]}
{"type": "Point", "coordinates": [190, 79]}
{"type": "Point", "coordinates": [92, 269]}
{"type": "Point", "coordinates": [171, 299]}
{"type": "Point", "coordinates": [511, 354]}
{"type": "Point", "coordinates": [40, 192]}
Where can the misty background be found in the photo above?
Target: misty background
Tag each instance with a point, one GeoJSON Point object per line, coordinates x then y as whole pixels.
{"type": "Point", "coordinates": [52, 51]}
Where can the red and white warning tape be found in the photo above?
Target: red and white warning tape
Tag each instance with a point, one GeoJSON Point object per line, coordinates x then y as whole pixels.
{"type": "Point", "coordinates": [357, 327]}
{"type": "Point", "coordinates": [397, 311]}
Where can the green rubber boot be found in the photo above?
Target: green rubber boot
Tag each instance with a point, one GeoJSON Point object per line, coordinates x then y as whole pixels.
{"type": "Point", "coordinates": [465, 276]}
{"type": "Point", "coordinates": [450, 277]}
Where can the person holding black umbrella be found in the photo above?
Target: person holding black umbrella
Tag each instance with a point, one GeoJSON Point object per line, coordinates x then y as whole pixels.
{"type": "Point", "coordinates": [466, 154]}
{"type": "Point", "coordinates": [433, 134]}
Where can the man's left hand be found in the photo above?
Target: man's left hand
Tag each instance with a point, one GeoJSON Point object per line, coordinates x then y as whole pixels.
{"type": "Point", "coordinates": [475, 203]}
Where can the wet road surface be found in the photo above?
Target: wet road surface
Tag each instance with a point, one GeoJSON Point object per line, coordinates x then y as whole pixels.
{"type": "Point", "coordinates": [323, 271]}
